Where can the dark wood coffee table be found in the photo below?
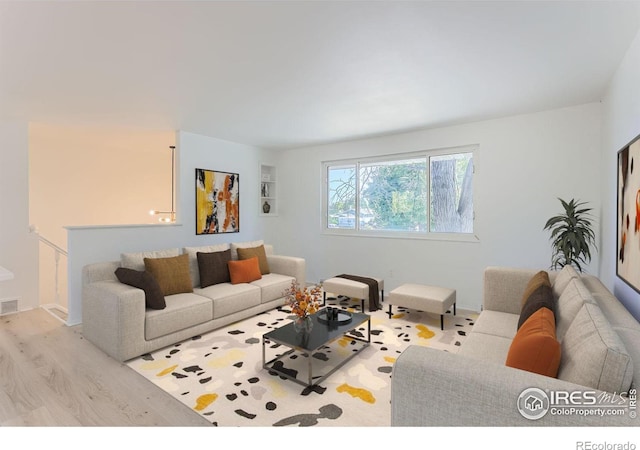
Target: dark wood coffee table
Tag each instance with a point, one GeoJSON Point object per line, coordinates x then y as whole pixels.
{"type": "Point", "coordinates": [308, 343]}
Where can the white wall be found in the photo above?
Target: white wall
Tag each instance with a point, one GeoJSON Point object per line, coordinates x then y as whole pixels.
{"type": "Point", "coordinates": [621, 123]}
{"type": "Point", "coordinates": [87, 175]}
{"type": "Point", "coordinates": [95, 244]}
{"type": "Point", "coordinates": [523, 164]}
{"type": "Point", "coordinates": [18, 248]}
{"type": "Point", "coordinates": [81, 175]}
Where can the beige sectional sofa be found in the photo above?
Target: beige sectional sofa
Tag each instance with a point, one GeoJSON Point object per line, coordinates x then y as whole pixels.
{"type": "Point", "coordinates": [116, 319]}
{"type": "Point", "coordinates": [600, 360]}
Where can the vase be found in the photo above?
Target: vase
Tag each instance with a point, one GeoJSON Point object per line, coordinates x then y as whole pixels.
{"type": "Point", "coordinates": [266, 207]}
{"type": "Point", "coordinates": [303, 324]}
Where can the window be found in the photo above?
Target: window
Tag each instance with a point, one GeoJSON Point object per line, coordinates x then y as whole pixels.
{"type": "Point", "coordinates": [420, 194]}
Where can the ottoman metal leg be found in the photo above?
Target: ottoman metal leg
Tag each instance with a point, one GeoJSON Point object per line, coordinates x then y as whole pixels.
{"type": "Point", "coordinates": [390, 312]}
{"type": "Point", "coordinates": [324, 299]}
{"type": "Point", "coordinates": [442, 317]}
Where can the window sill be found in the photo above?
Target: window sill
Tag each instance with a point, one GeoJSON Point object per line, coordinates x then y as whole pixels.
{"type": "Point", "coordinates": [448, 237]}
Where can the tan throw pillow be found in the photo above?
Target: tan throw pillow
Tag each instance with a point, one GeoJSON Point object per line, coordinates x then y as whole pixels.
{"type": "Point", "coordinates": [172, 274]}
{"type": "Point", "coordinates": [247, 244]}
{"type": "Point", "coordinates": [539, 279]}
{"type": "Point", "coordinates": [246, 253]}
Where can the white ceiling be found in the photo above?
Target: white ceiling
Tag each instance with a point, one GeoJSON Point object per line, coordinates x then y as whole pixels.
{"type": "Point", "coordinates": [290, 74]}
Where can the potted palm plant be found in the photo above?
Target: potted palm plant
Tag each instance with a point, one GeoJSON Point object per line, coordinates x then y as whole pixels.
{"type": "Point", "coordinates": [572, 235]}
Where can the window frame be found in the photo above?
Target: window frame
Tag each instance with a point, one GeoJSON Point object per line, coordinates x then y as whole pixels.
{"type": "Point", "coordinates": [427, 234]}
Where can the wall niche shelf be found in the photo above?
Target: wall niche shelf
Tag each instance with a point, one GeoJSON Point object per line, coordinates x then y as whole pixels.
{"type": "Point", "coordinates": [268, 191]}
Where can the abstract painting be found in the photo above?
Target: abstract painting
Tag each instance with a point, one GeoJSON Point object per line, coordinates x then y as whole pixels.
{"type": "Point", "coordinates": [217, 202]}
{"type": "Point", "coordinates": [628, 214]}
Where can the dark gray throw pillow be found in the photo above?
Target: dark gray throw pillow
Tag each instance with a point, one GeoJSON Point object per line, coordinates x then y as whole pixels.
{"type": "Point", "coordinates": [213, 267]}
{"type": "Point", "coordinates": [141, 279]}
{"type": "Point", "coordinates": [540, 297]}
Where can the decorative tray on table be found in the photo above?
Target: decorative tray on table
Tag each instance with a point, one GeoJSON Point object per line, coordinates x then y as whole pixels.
{"type": "Point", "coordinates": [325, 316]}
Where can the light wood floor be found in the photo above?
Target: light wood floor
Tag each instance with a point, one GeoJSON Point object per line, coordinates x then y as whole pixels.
{"type": "Point", "coordinates": [51, 376]}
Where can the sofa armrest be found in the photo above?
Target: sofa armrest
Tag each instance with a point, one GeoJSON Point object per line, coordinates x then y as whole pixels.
{"type": "Point", "coordinates": [504, 288]}
{"type": "Point", "coordinates": [434, 388]}
{"type": "Point", "coordinates": [288, 265]}
{"type": "Point", "coordinates": [113, 317]}
{"type": "Point", "coordinates": [103, 271]}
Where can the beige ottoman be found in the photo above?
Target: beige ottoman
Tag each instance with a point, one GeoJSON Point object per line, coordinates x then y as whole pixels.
{"type": "Point", "coordinates": [350, 288]}
{"type": "Point", "coordinates": [432, 299]}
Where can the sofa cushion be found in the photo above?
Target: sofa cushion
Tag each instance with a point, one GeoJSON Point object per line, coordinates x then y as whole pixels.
{"type": "Point", "coordinates": [193, 259]}
{"type": "Point", "coordinates": [135, 261]}
{"type": "Point", "coordinates": [615, 312]}
{"type": "Point", "coordinates": [171, 273]}
{"type": "Point", "coordinates": [496, 323]}
{"type": "Point", "coordinates": [562, 279]}
{"type": "Point", "coordinates": [535, 347]}
{"type": "Point", "coordinates": [259, 252]}
{"type": "Point", "coordinates": [230, 298]}
{"type": "Point", "coordinates": [141, 279]}
{"type": "Point", "coordinates": [593, 354]}
{"type": "Point", "coordinates": [537, 295]}
{"type": "Point", "coordinates": [630, 338]}
{"type": "Point", "coordinates": [272, 286]}
{"type": "Point", "coordinates": [568, 305]}
{"type": "Point", "coordinates": [182, 311]}
{"type": "Point", "coordinates": [244, 271]}
{"type": "Point", "coordinates": [485, 347]}
{"type": "Point", "coordinates": [213, 267]}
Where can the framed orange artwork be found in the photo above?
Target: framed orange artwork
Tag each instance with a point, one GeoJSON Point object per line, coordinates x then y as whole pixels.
{"type": "Point", "coordinates": [628, 217]}
{"type": "Point", "coordinates": [217, 202]}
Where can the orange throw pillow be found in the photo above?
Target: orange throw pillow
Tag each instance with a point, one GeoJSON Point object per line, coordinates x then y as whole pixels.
{"type": "Point", "coordinates": [244, 271]}
{"type": "Point", "coordinates": [535, 347]}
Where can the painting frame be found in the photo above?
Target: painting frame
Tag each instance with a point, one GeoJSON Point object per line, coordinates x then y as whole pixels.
{"type": "Point", "coordinates": [628, 214]}
{"type": "Point", "coordinates": [217, 202]}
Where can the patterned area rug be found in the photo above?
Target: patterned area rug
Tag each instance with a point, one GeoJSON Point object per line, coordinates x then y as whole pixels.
{"type": "Point", "coordinates": [220, 376]}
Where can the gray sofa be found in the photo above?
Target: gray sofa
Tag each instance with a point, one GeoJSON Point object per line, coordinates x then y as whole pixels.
{"type": "Point", "coordinates": [600, 356]}
{"type": "Point", "coordinates": [116, 319]}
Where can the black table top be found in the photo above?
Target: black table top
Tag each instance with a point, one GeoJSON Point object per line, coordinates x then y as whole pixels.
{"type": "Point", "coordinates": [321, 333]}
